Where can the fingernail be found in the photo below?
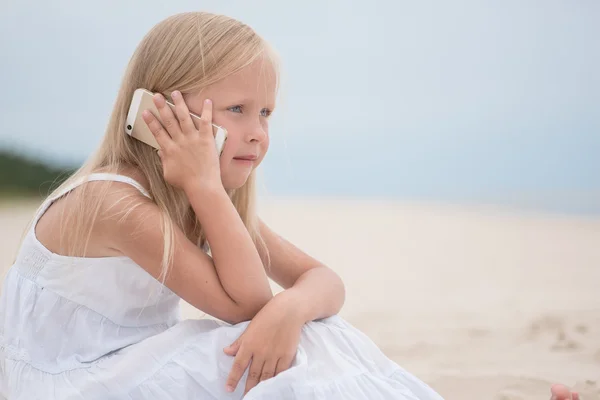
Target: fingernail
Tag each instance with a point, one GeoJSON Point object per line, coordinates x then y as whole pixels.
{"type": "Point", "coordinates": [145, 113]}
{"type": "Point", "coordinates": [229, 388]}
{"type": "Point", "coordinates": [207, 101]}
{"type": "Point", "coordinates": [175, 94]}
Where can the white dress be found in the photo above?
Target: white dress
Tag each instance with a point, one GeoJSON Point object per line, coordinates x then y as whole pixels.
{"type": "Point", "coordinates": [103, 328]}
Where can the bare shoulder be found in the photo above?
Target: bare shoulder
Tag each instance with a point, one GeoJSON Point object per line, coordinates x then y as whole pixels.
{"type": "Point", "coordinates": [122, 213]}
{"type": "Point", "coordinates": [97, 207]}
{"type": "Point", "coordinates": [120, 200]}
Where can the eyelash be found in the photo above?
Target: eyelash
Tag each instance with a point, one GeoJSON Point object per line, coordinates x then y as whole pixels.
{"type": "Point", "coordinates": [266, 110]}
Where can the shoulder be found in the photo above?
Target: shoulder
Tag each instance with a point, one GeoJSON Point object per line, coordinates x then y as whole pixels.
{"type": "Point", "coordinates": [121, 202]}
{"type": "Point", "coordinates": [119, 208]}
{"type": "Point", "coordinates": [96, 212]}
{"type": "Point", "coordinates": [111, 192]}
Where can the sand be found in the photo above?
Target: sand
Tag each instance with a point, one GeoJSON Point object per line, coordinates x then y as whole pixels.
{"type": "Point", "coordinates": [479, 302]}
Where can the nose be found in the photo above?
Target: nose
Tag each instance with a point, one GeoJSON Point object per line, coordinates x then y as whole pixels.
{"type": "Point", "coordinates": [256, 133]}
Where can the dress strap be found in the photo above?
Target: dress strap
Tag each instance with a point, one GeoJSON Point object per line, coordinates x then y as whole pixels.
{"type": "Point", "coordinates": [118, 178]}
{"type": "Point", "coordinates": [101, 177]}
{"type": "Point", "coordinates": [91, 177]}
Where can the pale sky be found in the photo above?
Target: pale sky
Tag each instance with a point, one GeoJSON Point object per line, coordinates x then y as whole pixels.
{"type": "Point", "coordinates": [408, 99]}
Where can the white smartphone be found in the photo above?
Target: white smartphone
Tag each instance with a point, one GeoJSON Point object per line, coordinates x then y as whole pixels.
{"type": "Point", "coordinates": [136, 127]}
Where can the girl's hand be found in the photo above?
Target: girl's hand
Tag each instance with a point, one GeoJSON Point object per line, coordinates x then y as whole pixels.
{"type": "Point", "coordinates": [268, 345]}
{"type": "Point", "coordinates": [187, 151]}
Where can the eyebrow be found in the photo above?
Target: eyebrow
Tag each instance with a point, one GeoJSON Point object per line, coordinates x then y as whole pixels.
{"type": "Point", "coordinates": [249, 100]}
{"type": "Point", "coordinates": [243, 100]}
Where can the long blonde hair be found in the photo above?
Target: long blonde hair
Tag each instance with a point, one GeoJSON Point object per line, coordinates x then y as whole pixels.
{"type": "Point", "coordinates": [187, 52]}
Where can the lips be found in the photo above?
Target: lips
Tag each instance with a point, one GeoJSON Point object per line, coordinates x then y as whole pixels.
{"type": "Point", "coordinates": [249, 157]}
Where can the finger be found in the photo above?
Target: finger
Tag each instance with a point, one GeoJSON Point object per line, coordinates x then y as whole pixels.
{"type": "Point", "coordinates": [575, 396]}
{"type": "Point", "coordinates": [160, 134]}
{"type": "Point", "coordinates": [240, 363]}
{"type": "Point", "coordinates": [233, 348]}
{"type": "Point", "coordinates": [183, 113]}
{"type": "Point", "coordinates": [169, 120]}
{"type": "Point", "coordinates": [205, 123]}
{"type": "Point", "coordinates": [254, 373]}
{"type": "Point", "coordinates": [269, 370]}
{"type": "Point", "coordinates": [284, 363]}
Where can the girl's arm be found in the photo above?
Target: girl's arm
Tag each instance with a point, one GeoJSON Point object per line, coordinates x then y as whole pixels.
{"type": "Point", "coordinates": [234, 254]}
{"type": "Point", "coordinates": [314, 289]}
{"type": "Point", "coordinates": [231, 288]}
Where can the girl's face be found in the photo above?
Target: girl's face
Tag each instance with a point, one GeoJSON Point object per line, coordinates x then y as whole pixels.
{"type": "Point", "coordinates": [242, 104]}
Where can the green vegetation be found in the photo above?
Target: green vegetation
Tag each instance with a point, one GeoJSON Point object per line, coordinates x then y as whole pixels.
{"type": "Point", "coordinates": [21, 176]}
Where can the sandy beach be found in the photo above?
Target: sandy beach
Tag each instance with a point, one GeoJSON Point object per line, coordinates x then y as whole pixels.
{"type": "Point", "coordinates": [479, 302]}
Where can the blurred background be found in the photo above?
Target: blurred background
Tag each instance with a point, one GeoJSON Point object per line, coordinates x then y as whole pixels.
{"type": "Point", "coordinates": [453, 101]}
{"type": "Point", "coordinates": [453, 146]}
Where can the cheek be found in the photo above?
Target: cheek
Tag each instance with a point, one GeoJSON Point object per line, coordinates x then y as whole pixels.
{"type": "Point", "coordinates": [232, 143]}
{"type": "Point", "coordinates": [232, 128]}
{"type": "Point", "coordinates": [264, 147]}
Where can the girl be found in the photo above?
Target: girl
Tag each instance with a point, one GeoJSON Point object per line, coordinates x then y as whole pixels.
{"type": "Point", "coordinates": [89, 309]}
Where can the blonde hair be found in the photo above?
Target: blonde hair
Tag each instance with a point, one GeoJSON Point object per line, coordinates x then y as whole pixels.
{"type": "Point", "coordinates": [187, 52]}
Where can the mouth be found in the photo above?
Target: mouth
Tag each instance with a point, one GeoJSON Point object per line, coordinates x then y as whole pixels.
{"type": "Point", "coordinates": [249, 157]}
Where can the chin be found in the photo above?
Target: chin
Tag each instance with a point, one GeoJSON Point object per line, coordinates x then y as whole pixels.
{"type": "Point", "coordinates": [233, 182]}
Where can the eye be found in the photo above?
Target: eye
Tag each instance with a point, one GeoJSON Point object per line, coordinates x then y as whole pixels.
{"type": "Point", "coordinates": [265, 112]}
{"type": "Point", "coordinates": [236, 109]}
